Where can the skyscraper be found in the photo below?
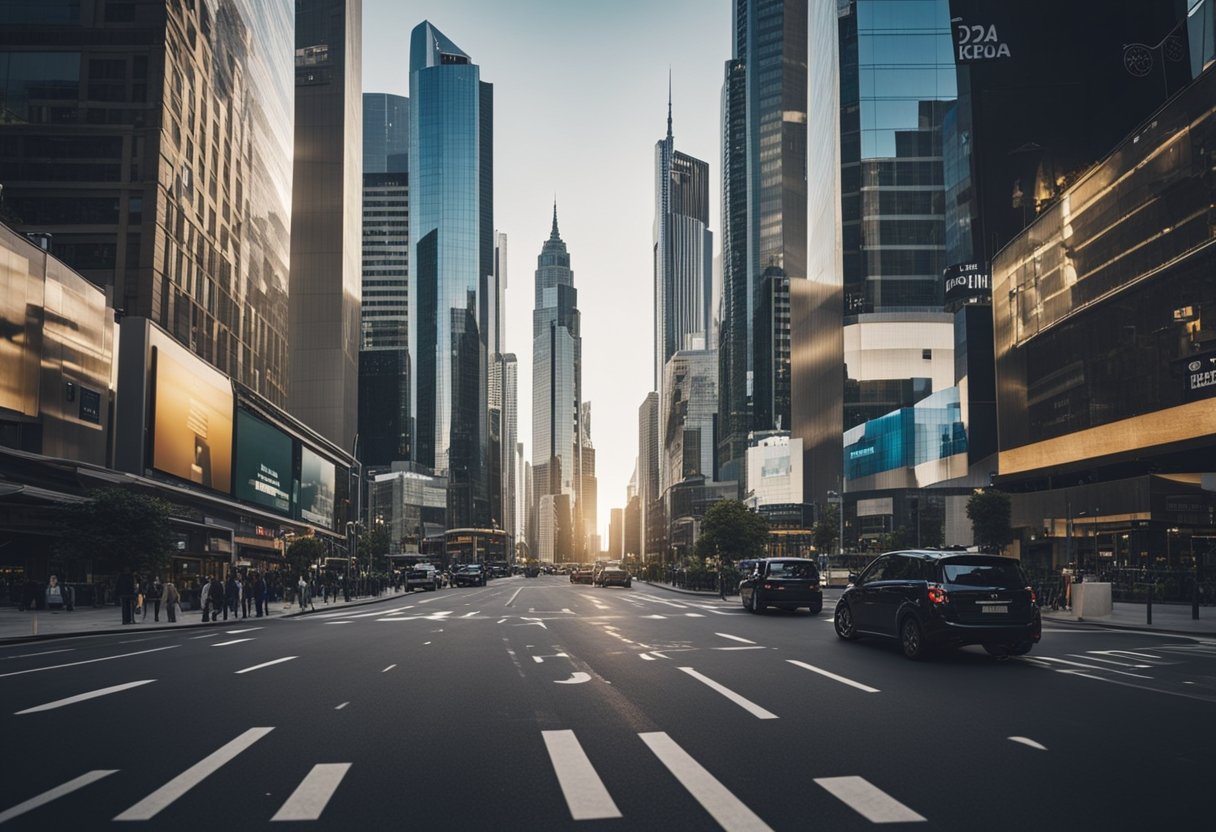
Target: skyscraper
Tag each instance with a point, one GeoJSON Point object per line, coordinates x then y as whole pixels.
{"type": "Point", "coordinates": [326, 219]}
{"type": "Point", "coordinates": [509, 370]}
{"type": "Point", "coordinates": [651, 524]}
{"type": "Point", "coordinates": [557, 433]}
{"type": "Point", "coordinates": [161, 165]}
{"type": "Point", "coordinates": [451, 265]}
{"type": "Point", "coordinates": [588, 493]}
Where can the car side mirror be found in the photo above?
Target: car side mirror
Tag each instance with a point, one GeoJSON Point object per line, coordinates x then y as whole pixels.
{"type": "Point", "coordinates": [854, 578]}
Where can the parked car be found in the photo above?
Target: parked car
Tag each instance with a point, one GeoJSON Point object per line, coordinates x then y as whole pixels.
{"type": "Point", "coordinates": [929, 598]}
{"type": "Point", "coordinates": [470, 574]}
{"type": "Point", "coordinates": [423, 576]}
{"type": "Point", "coordinates": [787, 583]}
{"type": "Point", "coordinates": [532, 570]}
{"type": "Point", "coordinates": [582, 575]}
{"type": "Point", "coordinates": [615, 576]}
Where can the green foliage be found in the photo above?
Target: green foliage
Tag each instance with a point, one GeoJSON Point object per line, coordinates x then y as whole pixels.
{"type": "Point", "coordinates": [991, 519]}
{"type": "Point", "coordinates": [732, 531]}
{"type": "Point", "coordinates": [375, 542]}
{"type": "Point", "coordinates": [932, 524]}
{"type": "Point", "coordinates": [117, 529]}
{"type": "Point", "coordinates": [303, 553]}
{"type": "Point", "coordinates": [827, 530]}
{"type": "Point", "coordinates": [899, 538]}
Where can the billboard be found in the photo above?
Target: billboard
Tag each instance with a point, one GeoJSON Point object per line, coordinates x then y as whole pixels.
{"type": "Point", "coordinates": [317, 488]}
{"type": "Point", "coordinates": [967, 281]}
{"type": "Point", "coordinates": [192, 421]}
{"type": "Point", "coordinates": [263, 464]}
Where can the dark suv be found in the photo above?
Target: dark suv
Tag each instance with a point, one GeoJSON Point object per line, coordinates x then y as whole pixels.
{"type": "Point", "coordinates": [787, 583]}
{"type": "Point", "coordinates": [927, 598]}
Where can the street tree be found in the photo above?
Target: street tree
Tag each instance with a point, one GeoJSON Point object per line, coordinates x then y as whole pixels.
{"type": "Point", "coordinates": [303, 553]}
{"type": "Point", "coordinates": [827, 530]}
{"type": "Point", "coordinates": [374, 544]}
{"type": "Point", "coordinates": [991, 519]}
{"type": "Point", "coordinates": [117, 529]}
{"type": "Point", "coordinates": [731, 530]}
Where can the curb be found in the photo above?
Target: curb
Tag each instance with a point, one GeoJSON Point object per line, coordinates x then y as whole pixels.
{"type": "Point", "coordinates": [122, 630]}
{"type": "Point", "coordinates": [1143, 628]}
{"type": "Point", "coordinates": [697, 592]}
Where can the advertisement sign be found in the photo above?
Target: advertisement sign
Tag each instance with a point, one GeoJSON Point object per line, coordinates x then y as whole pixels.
{"type": "Point", "coordinates": [263, 464]}
{"type": "Point", "coordinates": [1200, 376]}
{"type": "Point", "coordinates": [967, 281]}
{"type": "Point", "coordinates": [192, 421]}
{"type": "Point", "coordinates": [317, 491]}
{"type": "Point", "coordinates": [975, 41]}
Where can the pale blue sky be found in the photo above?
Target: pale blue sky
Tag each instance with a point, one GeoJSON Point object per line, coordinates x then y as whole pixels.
{"type": "Point", "coordinates": [580, 98]}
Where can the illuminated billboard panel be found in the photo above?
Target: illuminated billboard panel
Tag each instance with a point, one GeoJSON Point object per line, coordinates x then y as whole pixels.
{"type": "Point", "coordinates": [263, 464]}
{"type": "Point", "coordinates": [192, 422]}
{"type": "Point", "coordinates": [317, 488]}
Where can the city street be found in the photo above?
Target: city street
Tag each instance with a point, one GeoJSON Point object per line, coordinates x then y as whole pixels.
{"type": "Point", "coordinates": [538, 704]}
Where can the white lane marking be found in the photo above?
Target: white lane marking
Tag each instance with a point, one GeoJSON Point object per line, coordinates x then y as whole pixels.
{"type": "Point", "coordinates": [585, 794]}
{"type": "Point", "coordinates": [541, 658]}
{"type": "Point", "coordinates": [744, 703]}
{"type": "Point", "coordinates": [646, 657]}
{"type": "Point", "coordinates": [654, 617]}
{"type": "Point", "coordinates": [152, 805]}
{"type": "Point", "coordinates": [867, 800]}
{"type": "Point", "coordinates": [138, 640]}
{"type": "Point", "coordinates": [538, 622]}
{"type": "Point", "coordinates": [513, 597]}
{"type": "Point", "coordinates": [501, 620]}
{"type": "Point", "coordinates": [43, 653]}
{"type": "Point", "coordinates": [89, 661]}
{"type": "Point", "coordinates": [231, 641]}
{"type": "Point", "coordinates": [340, 707]}
{"type": "Point", "coordinates": [309, 799]}
{"type": "Point", "coordinates": [576, 678]}
{"type": "Point", "coordinates": [1029, 742]}
{"type": "Point", "coordinates": [82, 697]}
{"type": "Point", "coordinates": [730, 812]}
{"type": "Point", "coordinates": [744, 647]}
{"type": "Point", "coordinates": [208, 635]}
{"type": "Point", "coordinates": [1126, 653]}
{"type": "Point", "coordinates": [387, 669]}
{"type": "Point", "coordinates": [470, 614]}
{"type": "Point", "coordinates": [1110, 661]}
{"type": "Point", "coordinates": [735, 638]}
{"type": "Point", "coordinates": [1079, 675]}
{"type": "Point", "coordinates": [693, 615]}
{"type": "Point", "coordinates": [833, 676]}
{"type": "Point", "coordinates": [659, 655]}
{"type": "Point", "coordinates": [664, 601]}
{"type": "Point", "coordinates": [243, 630]}
{"type": "Point", "coordinates": [1054, 660]}
{"type": "Point", "coordinates": [339, 622]}
{"type": "Point", "coordinates": [267, 664]}
{"type": "Point", "coordinates": [56, 793]}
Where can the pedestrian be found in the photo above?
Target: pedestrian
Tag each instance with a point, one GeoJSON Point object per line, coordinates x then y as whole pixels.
{"type": "Point", "coordinates": [246, 594]}
{"type": "Point", "coordinates": [204, 597]}
{"type": "Point", "coordinates": [153, 595]}
{"type": "Point", "coordinates": [126, 596]}
{"type": "Point", "coordinates": [56, 596]}
{"type": "Point", "coordinates": [232, 592]}
{"type": "Point", "coordinates": [259, 594]}
{"type": "Point", "coordinates": [218, 602]}
{"type": "Point", "coordinates": [302, 587]}
{"type": "Point", "coordinates": [169, 597]}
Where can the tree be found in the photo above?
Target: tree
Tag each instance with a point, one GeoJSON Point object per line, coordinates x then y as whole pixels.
{"type": "Point", "coordinates": [374, 543]}
{"type": "Point", "coordinates": [304, 552]}
{"type": "Point", "coordinates": [990, 515]}
{"type": "Point", "coordinates": [731, 530]}
{"type": "Point", "coordinates": [118, 529]}
{"type": "Point", "coordinates": [827, 530]}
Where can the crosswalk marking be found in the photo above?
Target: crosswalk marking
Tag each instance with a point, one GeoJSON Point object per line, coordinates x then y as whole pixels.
{"type": "Point", "coordinates": [585, 794]}
{"type": "Point", "coordinates": [833, 676]}
{"type": "Point", "coordinates": [82, 697]}
{"type": "Point", "coordinates": [266, 664]}
{"type": "Point", "coordinates": [664, 601]}
{"type": "Point", "coordinates": [744, 703]}
{"type": "Point", "coordinates": [309, 799]}
{"type": "Point", "coordinates": [89, 661]}
{"type": "Point", "coordinates": [152, 805]}
{"type": "Point", "coordinates": [867, 800]}
{"type": "Point", "coordinates": [56, 793]}
{"type": "Point", "coordinates": [730, 812]}
{"type": "Point", "coordinates": [1109, 661]}
{"type": "Point", "coordinates": [1128, 653]}
{"type": "Point", "coordinates": [230, 641]}
{"type": "Point", "coordinates": [1055, 660]}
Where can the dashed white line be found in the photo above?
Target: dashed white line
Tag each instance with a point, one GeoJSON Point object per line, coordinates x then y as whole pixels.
{"type": "Point", "coordinates": [1029, 743]}
{"type": "Point", "coordinates": [152, 805]}
{"type": "Point", "coordinates": [309, 799]}
{"type": "Point", "coordinates": [843, 680]}
{"type": "Point", "coordinates": [1055, 660]}
{"type": "Point", "coordinates": [387, 669]}
{"type": "Point", "coordinates": [730, 812]}
{"type": "Point", "coordinates": [1110, 661]}
{"type": "Point", "coordinates": [585, 794]}
{"type": "Point", "coordinates": [735, 638]}
{"type": "Point", "coordinates": [266, 664]}
{"type": "Point", "coordinates": [205, 635]}
{"type": "Point", "coordinates": [744, 703]}
{"type": "Point", "coordinates": [230, 642]}
{"type": "Point", "coordinates": [56, 793]}
{"type": "Point", "coordinates": [243, 630]}
{"type": "Point", "coordinates": [82, 697]}
{"type": "Point", "coordinates": [340, 707]}
{"type": "Point", "coordinates": [868, 800]}
{"type": "Point", "coordinates": [744, 647]}
{"type": "Point", "coordinates": [43, 653]}
{"type": "Point", "coordinates": [89, 661]}
{"type": "Point", "coordinates": [693, 615]}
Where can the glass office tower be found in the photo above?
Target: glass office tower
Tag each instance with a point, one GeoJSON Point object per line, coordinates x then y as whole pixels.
{"type": "Point", "coordinates": [153, 140]}
{"type": "Point", "coordinates": [451, 262]}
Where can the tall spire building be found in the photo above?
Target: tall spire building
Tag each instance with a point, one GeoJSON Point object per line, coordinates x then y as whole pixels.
{"type": "Point", "coordinates": [557, 434]}
{"type": "Point", "coordinates": [451, 304]}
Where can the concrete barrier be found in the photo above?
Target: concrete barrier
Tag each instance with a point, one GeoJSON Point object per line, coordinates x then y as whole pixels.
{"type": "Point", "coordinates": [1091, 600]}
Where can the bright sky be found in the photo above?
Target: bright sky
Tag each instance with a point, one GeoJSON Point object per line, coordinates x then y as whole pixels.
{"type": "Point", "coordinates": [580, 98]}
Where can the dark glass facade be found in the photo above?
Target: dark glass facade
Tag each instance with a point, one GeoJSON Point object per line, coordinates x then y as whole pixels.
{"type": "Point", "coordinates": [154, 141]}
{"type": "Point", "coordinates": [386, 133]}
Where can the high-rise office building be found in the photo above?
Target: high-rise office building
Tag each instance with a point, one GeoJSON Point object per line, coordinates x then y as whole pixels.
{"type": "Point", "coordinates": [557, 434]}
{"type": "Point", "coordinates": [509, 374]}
{"type": "Point", "coordinates": [451, 265]}
{"type": "Point", "coordinates": [616, 533]}
{"type": "Point", "coordinates": [502, 395]}
{"type": "Point", "coordinates": [161, 164]}
{"type": "Point", "coordinates": [326, 218]}
{"type": "Point", "coordinates": [652, 533]}
{"type": "Point", "coordinates": [764, 107]}
{"type": "Point", "coordinates": [588, 494]}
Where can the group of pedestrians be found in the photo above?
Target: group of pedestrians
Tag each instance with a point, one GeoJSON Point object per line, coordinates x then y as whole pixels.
{"type": "Point", "coordinates": [238, 595]}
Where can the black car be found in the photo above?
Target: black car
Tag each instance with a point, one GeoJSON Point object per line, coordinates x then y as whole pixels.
{"type": "Point", "coordinates": [614, 576]}
{"type": "Point", "coordinates": [930, 598]}
{"type": "Point", "coordinates": [471, 574]}
{"type": "Point", "coordinates": [787, 583]}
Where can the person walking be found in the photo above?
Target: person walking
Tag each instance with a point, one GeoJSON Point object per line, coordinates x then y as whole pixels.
{"type": "Point", "coordinates": [216, 597]}
{"type": "Point", "coordinates": [56, 595]}
{"type": "Point", "coordinates": [232, 596]}
{"type": "Point", "coordinates": [126, 596]}
{"type": "Point", "coordinates": [246, 594]}
{"type": "Point", "coordinates": [169, 597]}
{"type": "Point", "coordinates": [302, 587]}
{"type": "Point", "coordinates": [259, 593]}
{"type": "Point", "coordinates": [152, 595]}
{"type": "Point", "coordinates": [204, 597]}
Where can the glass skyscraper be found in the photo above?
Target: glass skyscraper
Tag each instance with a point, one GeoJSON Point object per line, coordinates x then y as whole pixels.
{"type": "Point", "coordinates": [153, 140]}
{"type": "Point", "coordinates": [451, 264]}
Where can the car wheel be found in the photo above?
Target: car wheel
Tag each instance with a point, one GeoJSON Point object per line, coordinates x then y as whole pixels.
{"type": "Point", "coordinates": [912, 638]}
{"type": "Point", "coordinates": [758, 605]}
{"type": "Point", "coordinates": [846, 628]}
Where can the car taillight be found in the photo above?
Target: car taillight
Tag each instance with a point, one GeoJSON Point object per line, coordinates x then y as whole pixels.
{"type": "Point", "coordinates": [1034, 599]}
{"type": "Point", "coordinates": [938, 596]}
{"type": "Point", "coordinates": [768, 586]}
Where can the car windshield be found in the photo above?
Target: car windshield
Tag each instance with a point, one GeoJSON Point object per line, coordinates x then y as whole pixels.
{"type": "Point", "coordinates": [792, 569]}
{"type": "Point", "coordinates": [998, 573]}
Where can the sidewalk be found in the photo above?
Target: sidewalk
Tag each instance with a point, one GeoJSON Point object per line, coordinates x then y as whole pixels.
{"type": "Point", "coordinates": [1167, 618]}
{"type": "Point", "coordinates": [670, 588]}
{"type": "Point", "coordinates": [18, 626]}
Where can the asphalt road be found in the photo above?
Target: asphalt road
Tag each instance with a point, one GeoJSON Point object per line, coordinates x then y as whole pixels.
{"type": "Point", "coordinates": [535, 704]}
